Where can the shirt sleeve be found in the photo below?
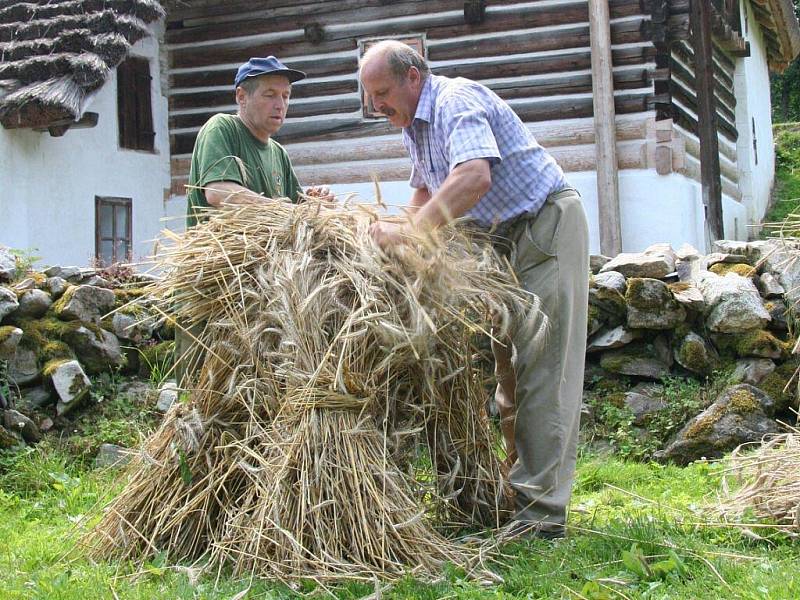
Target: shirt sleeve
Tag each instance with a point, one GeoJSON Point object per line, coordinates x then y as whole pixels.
{"type": "Point", "coordinates": [416, 180]}
{"type": "Point", "coordinates": [216, 156]}
{"type": "Point", "coordinates": [292, 187]}
{"type": "Point", "coordinates": [467, 132]}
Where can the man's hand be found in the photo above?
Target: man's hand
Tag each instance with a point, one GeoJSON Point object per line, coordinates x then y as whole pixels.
{"type": "Point", "coordinates": [321, 192]}
{"type": "Point", "coordinates": [387, 234]}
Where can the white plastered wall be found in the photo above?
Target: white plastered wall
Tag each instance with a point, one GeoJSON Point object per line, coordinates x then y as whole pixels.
{"type": "Point", "coordinates": [49, 184]}
{"type": "Point", "coordinates": [754, 121]}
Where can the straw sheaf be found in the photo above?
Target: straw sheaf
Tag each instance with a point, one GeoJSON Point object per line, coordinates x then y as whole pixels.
{"type": "Point", "coordinates": [343, 430]}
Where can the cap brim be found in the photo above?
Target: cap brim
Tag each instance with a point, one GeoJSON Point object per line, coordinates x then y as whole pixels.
{"type": "Point", "coordinates": [291, 74]}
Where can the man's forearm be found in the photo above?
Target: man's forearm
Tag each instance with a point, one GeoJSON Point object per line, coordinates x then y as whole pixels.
{"type": "Point", "coordinates": [462, 190]}
{"type": "Point", "coordinates": [228, 192]}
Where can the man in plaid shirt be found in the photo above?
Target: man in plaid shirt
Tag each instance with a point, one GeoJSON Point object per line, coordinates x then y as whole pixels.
{"type": "Point", "coordinates": [472, 156]}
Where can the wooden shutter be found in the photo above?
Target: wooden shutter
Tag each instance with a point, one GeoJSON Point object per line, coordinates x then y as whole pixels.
{"type": "Point", "coordinates": [144, 110]}
{"type": "Point", "coordinates": [134, 104]}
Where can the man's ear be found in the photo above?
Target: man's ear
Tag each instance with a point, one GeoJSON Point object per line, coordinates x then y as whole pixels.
{"type": "Point", "coordinates": [241, 96]}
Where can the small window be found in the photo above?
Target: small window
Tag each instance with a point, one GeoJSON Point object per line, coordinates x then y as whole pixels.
{"type": "Point", "coordinates": [113, 230]}
{"type": "Point", "coordinates": [416, 42]}
{"type": "Point", "coordinates": [133, 104]}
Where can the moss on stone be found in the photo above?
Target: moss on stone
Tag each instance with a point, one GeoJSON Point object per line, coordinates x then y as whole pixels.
{"type": "Point", "coordinates": [124, 296]}
{"type": "Point", "coordinates": [743, 402]}
{"type": "Point", "coordinates": [636, 297]}
{"type": "Point", "coordinates": [55, 349]}
{"type": "Point", "coordinates": [679, 286]}
{"type": "Point", "coordinates": [60, 304]}
{"type": "Point", "coordinates": [742, 269]}
{"type": "Point", "coordinates": [6, 331]}
{"type": "Point", "coordinates": [758, 343]}
{"type": "Point", "coordinates": [704, 424]}
{"type": "Point", "coordinates": [52, 365]}
{"type": "Point", "coordinates": [695, 356]}
{"type": "Point", "coordinates": [775, 386]}
{"type": "Point", "coordinates": [155, 354]}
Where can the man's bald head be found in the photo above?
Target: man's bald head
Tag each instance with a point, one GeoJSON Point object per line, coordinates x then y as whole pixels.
{"type": "Point", "coordinates": [396, 56]}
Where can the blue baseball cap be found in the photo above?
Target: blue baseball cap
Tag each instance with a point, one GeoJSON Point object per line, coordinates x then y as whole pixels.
{"type": "Point", "coordinates": [266, 66]}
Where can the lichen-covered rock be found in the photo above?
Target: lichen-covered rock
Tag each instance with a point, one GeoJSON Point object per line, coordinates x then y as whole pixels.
{"type": "Point", "coordinates": [779, 314]}
{"type": "Point", "coordinates": [610, 303]}
{"type": "Point", "coordinates": [752, 371]}
{"type": "Point", "coordinates": [16, 421]}
{"type": "Point", "coordinates": [687, 295]}
{"type": "Point", "coordinates": [594, 321]}
{"type": "Point", "coordinates": [8, 301]}
{"type": "Point", "coordinates": [57, 286]}
{"type": "Point", "coordinates": [9, 340]}
{"type": "Point", "coordinates": [640, 265]}
{"type": "Point", "coordinates": [612, 338]}
{"type": "Point", "coordinates": [611, 280]}
{"type": "Point", "coordinates": [695, 354]}
{"type": "Point", "coordinates": [769, 286]}
{"type": "Point", "coordinates": [782, 386]}
{"type": "Point", "coordinates": [8, 264]}
{"type": "Point", "coordinates": [741, 269]}
{"type": "Point", "coordinates": [36, 397]}
{"type": "Point", "coordinates": [720, 257]}
{"type": "Point", "coordinates": [129, 327]}
{"type": "Point", "coordinates": [33, 304]}
{"type": "Point", "coordinates": [637, 359]}
{"type": "Point", "coordinates": [97, 349]}
{"type": "Point", "coordinates": [70, 383]}
{"type": "Point", "coordinates": [651, 305]}
{"type": "Point", "coordinates": [759, 343]}
{"type": "Point", "coordinates": [741, 414]}
{"type": "Point", "coordinates": [23, 367]}
{"type": "Point", "coordinates": [596, 262]}
{"type": "Point", "coordinates": [167, 396]}
{"type": "Point", "coordinates": [111, 455]}
{"type": "Point", "coordinates": [733, 303]}
{"type": "Point", "coordinates": [644, 401]}
{"type": "Point", "coordinates": [84, 303]}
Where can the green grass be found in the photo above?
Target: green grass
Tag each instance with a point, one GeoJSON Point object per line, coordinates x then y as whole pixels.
{"type": "Point", "coordinates": [786, 194]}
{"type": "Point", "coordinates": [634, 534]}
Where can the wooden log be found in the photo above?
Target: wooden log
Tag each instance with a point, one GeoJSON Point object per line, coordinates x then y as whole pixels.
{"type": "Point", "coordinates": [632, 155]}
{"type": "Point", "coordinates": [605, 134]}
{"type": "Point", "coordinates": [707, 117]}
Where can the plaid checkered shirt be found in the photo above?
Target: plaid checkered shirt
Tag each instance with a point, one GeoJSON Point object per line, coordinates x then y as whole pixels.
{"type": "Point", "coordinates": [459, 120]}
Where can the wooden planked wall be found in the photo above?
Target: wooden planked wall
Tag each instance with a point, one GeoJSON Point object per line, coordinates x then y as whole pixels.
{"type": "Point", "coordinates": [534, 53]}
{"type": "Point", "coordinates": [676, 89]}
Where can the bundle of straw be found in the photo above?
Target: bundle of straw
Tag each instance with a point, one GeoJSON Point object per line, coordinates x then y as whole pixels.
{"type": "Point", "coordinates": [337, 424]}
{"type": "Point", "coordinates": [764, 483]}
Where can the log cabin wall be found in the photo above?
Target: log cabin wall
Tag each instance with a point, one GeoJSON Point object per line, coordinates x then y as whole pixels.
{"type": "Point", "coordinates": [535, 54]}
{"type": "Point", "coordinates": [676, 88]}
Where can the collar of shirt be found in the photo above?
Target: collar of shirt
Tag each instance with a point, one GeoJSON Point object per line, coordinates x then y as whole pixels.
{"type": "Point", "coordinates": [425, 104]}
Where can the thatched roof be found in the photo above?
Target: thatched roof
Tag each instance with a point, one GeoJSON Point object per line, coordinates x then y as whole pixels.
{"type": "Point", "coordinates": [781, 30]}
{"type": "Point", "coordinates": [55, 53]}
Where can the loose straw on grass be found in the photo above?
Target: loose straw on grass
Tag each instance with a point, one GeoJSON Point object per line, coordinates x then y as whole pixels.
{"type": "Point", "coordinates": [336, 425]}
{"type": "Point", "coordinates": [763, 483]}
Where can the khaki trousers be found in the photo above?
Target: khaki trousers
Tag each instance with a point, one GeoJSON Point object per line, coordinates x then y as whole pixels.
{"type": "Point", "coordinates": [550, 255]}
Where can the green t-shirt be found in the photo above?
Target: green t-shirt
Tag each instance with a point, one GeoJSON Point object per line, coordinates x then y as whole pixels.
{"type": "Point", "coordinates": [225, 150]}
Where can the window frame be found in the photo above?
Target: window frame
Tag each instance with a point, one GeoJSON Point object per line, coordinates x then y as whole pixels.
{"type": "Point", "coordinates": [116, 203]}
{"type": "Point", "coordinates": [416, 41]}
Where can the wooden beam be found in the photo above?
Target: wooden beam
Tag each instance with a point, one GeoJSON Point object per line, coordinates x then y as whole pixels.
{"type": "Point", "coordinates": [605, 134]}
{"type": "Point", "coordinates": [707, 117]}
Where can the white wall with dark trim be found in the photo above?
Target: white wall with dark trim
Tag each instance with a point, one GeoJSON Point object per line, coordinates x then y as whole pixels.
{"type": "Point", "coordinates": [49, 184]}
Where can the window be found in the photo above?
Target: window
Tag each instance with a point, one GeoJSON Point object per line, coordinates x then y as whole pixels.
{"type": "Point", "coordinates": [416, 42]}
{"type": "Point", "coordinates": [112, 230]}
{"type": "Point", "coordinates": [133, 104]}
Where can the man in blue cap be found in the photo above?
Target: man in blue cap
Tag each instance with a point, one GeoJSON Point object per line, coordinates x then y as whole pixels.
{"type": "Point", "coordinates": [235, 160]}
